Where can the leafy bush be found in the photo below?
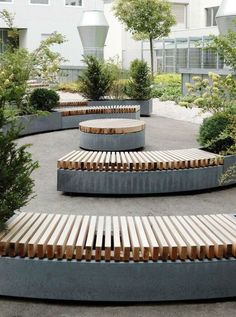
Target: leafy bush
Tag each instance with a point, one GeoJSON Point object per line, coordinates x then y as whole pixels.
{"type": "Point", "coordinates": [139, 86]}
{"type": "Point", "coordinates": [96, 80]}
{"type": "Point", "coordinates": [44, 99]}
{"type": "Point", "coordinates": [215, 94]}
{"type": "Point", "coordinates": [16, 166]}
{"type": "Point", "coordinates": [73, 87]}
{"type": "Point", "coordinates": [117, 90]}
{"type": "Point", "coordinates": [214, 133]}
{"type": "Point", "coordinates": [167, 87]}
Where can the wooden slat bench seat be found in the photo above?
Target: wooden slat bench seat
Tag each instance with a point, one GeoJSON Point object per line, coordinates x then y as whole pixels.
{"type": "Point", "coordinates": [141, 172]}
{"type": "Point", "coordinates": [138, 161]}
{"type": "Point", "coordinates": [72, 110]}
{"type": "Point", "coordinates": [106, 238]}
{"type": "Point", "coordinates": [71, 104]}
{"type": "Point", "coordinates": [81, 257]}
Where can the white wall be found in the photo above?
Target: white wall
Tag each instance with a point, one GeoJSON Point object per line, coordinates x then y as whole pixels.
{"type": "Point", "coordinates": [45, 19]}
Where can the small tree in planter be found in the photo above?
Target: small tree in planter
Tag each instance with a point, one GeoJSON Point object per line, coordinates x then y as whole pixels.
{"type": "Point", "coordinates": [16, 166]}
{"type": "Point", "coordinates": [139, 86]}
{"type": "Point", "coordinates": [96, 80]}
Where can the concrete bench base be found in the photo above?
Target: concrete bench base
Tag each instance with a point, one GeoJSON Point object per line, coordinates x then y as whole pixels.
{"type": "Point", "coordinates": [112, 142]}
{"type": "Point", "coordinates": [117, 282]}
{"type": "Point", "coordinates": [135, 183]}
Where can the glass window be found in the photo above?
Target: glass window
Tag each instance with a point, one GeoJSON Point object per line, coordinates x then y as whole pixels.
{"type": "Point", "coordinates": [39, 1]}
{"type": "Point", "coordinates": [211, 16]}
{"type": "Point", "coordinates": [180, 11]}
{"type": "Point", "coordinates": [73, 3]}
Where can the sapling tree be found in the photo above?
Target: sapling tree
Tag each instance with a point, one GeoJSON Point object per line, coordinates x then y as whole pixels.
{"type": "Point", "coordinates": [16, 166]}
{"type": "Point", "coordinates": [146, 19]}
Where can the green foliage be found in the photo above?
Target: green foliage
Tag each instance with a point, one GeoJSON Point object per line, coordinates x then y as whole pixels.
{"type": "Point", "coordinates": [215, 94]}
{"type": "Point", "coordinates": [44, 99]}
{"type": "Point", "coordinates": [229, 176]}
{"type": "Point", "coordinates": [16, 166]}
{"type": "Point", "coordinates": [73, 87]}
{"type": "Point", "coordinates": [214, 133]}
{"type": "Point", "coordinates": [17, 66]}
{"type": "Point", "coordinates": [96, 80]}
{"type": "Point", "coordinates": [225, 47]}
{"type": "Point", "coordinates": [139, 85]}
{"type": "Point", "coordinates": [145, 19]}
{"type": "Point", "coordinates": [167, 87]}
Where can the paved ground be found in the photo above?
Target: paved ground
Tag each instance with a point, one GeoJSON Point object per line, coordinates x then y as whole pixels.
{"type": "Point", "coordinates": [162, 133]}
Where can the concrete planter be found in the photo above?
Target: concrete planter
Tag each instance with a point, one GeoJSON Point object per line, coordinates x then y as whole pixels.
{"type": "Point", "coordinates": [146, 106]}
{"type": "Point", "coordinates": [32, 124]}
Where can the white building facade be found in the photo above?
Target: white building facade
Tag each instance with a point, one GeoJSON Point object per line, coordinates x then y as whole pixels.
{"type": "Point", "coordinates": [37, 19]}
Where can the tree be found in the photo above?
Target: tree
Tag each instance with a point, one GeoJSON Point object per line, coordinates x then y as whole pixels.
{"type": "Point", "coordinates": [225, 47]}
{"type": "Point", "coordinates": [145, 19]}
{"type": "Point", "coordinates": [18, 65]}
{"type": "Point", "coordinates": [96, 80]}
{"type": "Point", "coordinates": [16, 166]}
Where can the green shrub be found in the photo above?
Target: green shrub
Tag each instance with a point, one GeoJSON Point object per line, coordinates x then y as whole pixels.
{"type": "Point", "coordinates": [96, 80]}
{"type": "Point", "coordinates": [214, 134]}
{"type": "Point", "coordinates": [167, 87]}
{"type": "Point", "coordinates": [44, 99]}
{"type": "Point", "coordinates": [73, 87]}
{"type": "Point", "coordinates": [139, 85]}
{"type": "Point", "coordinates": [167, 79]}
{"type": "Point", "coordinates": [117, 90]}
{"type": "Point", "coordinates": [16, 166]}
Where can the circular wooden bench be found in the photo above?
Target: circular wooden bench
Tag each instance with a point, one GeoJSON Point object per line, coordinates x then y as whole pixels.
{"type": "Point", "coordinates": [112, 134]}
{"type": "Point", "coordinates": [118, 258]}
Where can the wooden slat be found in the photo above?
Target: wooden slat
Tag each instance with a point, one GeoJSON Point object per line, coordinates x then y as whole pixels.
{"type": "Point", "coordinates": [70, 245]}
{"type": "Point", "coordinates": [154, 246]}
{"type": "Point", "coordinates": [90, 238]}
{"type": "Point", "coordinates": [173, 246]}
{"type": "Point", "coordinates": [10, 224]}
{"type": "Point", "coordinates": [51, 244]}
{"type": "Point", "coordinates": [191, 245]}
{"type": "Point", "coordinates": [23, 243]}
{"type": "Point", "coordinates": [41, 245]}
{"type": "Point", "coordinates": [162, 242]}
{"type": "Point", "coordinates": [108, 239]}
{"type": "Point", "coordinates": [125, 238]}
{"type": "Point", "coordinates": [116, 237]}
{"type": "Point", "coordinates": [82, 238]}
{"type": "Point", "coordinates": [218, 244]}
{"type": "Point", "coordinates": [14, 241]}
{"type": "Point", "coordinates": [133, 238]}
{"type": "Point", "coordinates": [145, 248]}
{"type": "Point", "coordinates": [201, 245]}
{"type": "Point", "coordinates": [99, 238]}
{"type": "Point", "coordinates": [62, 241]}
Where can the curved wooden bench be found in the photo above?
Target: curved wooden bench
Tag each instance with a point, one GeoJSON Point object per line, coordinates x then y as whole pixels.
{"type": "Point", "coordinates": [74, 256]}
{"type": "Point", "coordinates": [72, 116]}
{"type": "Point", "coordinates": [146, 172]}
{"type": "Point", "coordinates": [69, 117]}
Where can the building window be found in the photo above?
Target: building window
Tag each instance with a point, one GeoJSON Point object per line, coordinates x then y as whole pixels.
{"type": "Point", "coordinates": [39, 1]}
{"type": "Point", "coordinates": [180, 13]}
{"type": "Point", "coordinates": [211, 16]}
{"type": "Point", "coordinates": [77, 3]}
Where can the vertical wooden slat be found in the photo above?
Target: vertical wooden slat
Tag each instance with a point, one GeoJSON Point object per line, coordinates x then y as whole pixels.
{"type": "Point", "coordinates": [108, 239]}
{"type": "Point", "coordinates": [116, 238]}
{"type": "Point", "coordinates": [151, 239]}
{"type": "Point", "coordinates": [133, 238]}
{"type": "Point", "coordinates": [70, 245]}
{"type": "Point", "coordinates": [82, 238]}
{"type": "Point", "coordinates": [125, 238]}
{"type": "Point", "coordinates": [99, 238]}
{"type": "Point", "coordinates": [90, 238]}
{"type": "Point", "coordinates": [61, 243]}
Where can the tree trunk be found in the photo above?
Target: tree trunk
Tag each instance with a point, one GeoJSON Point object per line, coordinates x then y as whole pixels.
{"type": "Point", "coordinates": [151, 54]}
